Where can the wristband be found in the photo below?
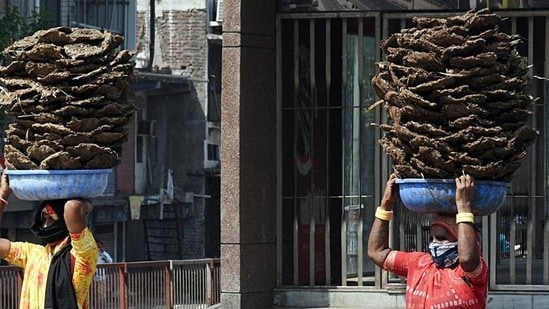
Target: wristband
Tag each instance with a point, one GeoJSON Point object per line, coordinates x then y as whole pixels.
{"type": "Point", "coordinates": [465, 217]}
{"type": "Point", "coordinates": [383, 214]}
{"type": "Point", "coordinates": [3, 200]}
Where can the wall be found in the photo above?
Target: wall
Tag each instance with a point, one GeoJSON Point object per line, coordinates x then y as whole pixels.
{"type": "Point", "coordinates": [180, 49]}
{"type": "Point", "coordinates": [185, 47]}
{"type": "Point", "coordinates": [181, 46]}
{"type": "Point", "coordinates": [180, 36]}
{"type": "Point", "coordinates": [184, 42]}
{"type": "Point", "coordinates": [125, 172]}
{"type": "Point", "coordinates": [143, 5]}
{"type": "Point", "coordinates": [178, 146]}
{"type": "Point", "coordinates": [248, 148]}
{"type": "Point", "coordinates": [354, 297]}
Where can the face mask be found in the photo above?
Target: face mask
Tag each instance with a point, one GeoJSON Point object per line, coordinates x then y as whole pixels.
{"type": "Point", "coordinates": [444, 254]}
{"type": "Point", "coordinates": [51, 234]}
{"type": "Point", "coordinates": [56, 231]}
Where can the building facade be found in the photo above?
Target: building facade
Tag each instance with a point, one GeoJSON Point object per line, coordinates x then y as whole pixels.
{"type": "Point", "coordinates": [162, 201]}
{"type": "Point", "coordinates": [322, 172]}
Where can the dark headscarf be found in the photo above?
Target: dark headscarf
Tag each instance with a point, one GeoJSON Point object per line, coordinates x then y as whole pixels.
{"type": "Point", "coordinates": [58, 229]}
{"type": "Point", "coordinates": [59, 289]}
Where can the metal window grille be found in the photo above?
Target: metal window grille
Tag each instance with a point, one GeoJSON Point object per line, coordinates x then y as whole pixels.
{"type": "Point", "coordinates": [332, 171]}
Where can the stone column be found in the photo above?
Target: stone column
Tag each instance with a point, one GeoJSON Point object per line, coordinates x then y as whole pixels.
{"type": "Point", "coordinates": [248, 155]}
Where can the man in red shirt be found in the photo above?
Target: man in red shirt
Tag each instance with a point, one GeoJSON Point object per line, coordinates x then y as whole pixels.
{"type": "Point", "coordinates": [453, 274]}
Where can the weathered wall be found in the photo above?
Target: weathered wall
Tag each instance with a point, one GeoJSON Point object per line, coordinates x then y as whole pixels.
{"type": "Point", "coordinates": [125, 172]}
{"type": "Point", "coordinates": [181, 45]}
{"type": "Point", "coordinates": [178, 146]}
{"type": "Point", "coordinates": [180, 36]}
{"type": "Point", "coordinates": [143, 5]}
{"type": "Point", "coordinates": [184, 42]}
{"type": "Point", "coordinates": [181, 49]}
{"type": "Point", "coordinates": [184, 47]}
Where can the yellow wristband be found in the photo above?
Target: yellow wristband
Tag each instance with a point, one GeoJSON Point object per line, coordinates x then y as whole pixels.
{"type": "Point", "coordinates": [383, 214]}
{"type": "Point", "coordinates": [465, 217]}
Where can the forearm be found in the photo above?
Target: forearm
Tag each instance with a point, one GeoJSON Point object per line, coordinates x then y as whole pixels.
{"type": "Point", "coordinates": [468, 248]}
{"type": "Point", "coordinates": [2, 208]}
{"type": "Point", "coordinates": [75, 215]}
{"type": "Point", "coordinates": [378, 241]}
{"type": "Point", "coordinates": [4, 243]}
{"type": "Point", "coordinates": [5, 192]}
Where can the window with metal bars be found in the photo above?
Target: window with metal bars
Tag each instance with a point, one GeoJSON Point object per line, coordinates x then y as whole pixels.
{"type": "Point", "coordinates": [333, 171]}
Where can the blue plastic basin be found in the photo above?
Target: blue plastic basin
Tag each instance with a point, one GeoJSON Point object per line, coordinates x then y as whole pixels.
{"type": "Point", "coordinates": [39, 185]}
{"type": "Point", "coordinates": [428, 195]}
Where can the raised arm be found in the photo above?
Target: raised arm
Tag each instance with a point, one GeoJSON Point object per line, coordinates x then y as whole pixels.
{"type": "Point", "coordinates": [76, 211]}
{"type": "Point", "coordinates": [468, 249]}
{"type": "Point", "coordinates": [5, 192]}
{"type": "Point", "coordinates": [378, 242]}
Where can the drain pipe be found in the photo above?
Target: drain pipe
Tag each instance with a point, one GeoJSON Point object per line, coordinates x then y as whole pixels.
{"type": "Point", "coordinates": [152, 30]}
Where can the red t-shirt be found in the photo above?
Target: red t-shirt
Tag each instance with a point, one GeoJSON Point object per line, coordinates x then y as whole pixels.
{"type": "Point", "coordinates": [430, 287]}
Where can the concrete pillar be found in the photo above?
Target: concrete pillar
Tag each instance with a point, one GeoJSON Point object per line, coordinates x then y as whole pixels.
{"type": "Point", "coordinates": [248, 156]}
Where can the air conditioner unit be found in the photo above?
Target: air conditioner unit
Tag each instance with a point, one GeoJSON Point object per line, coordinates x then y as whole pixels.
{"type": "Point", "coordinates": [146, 128]}
{"type": "Point", "coordinates": [219, 12]}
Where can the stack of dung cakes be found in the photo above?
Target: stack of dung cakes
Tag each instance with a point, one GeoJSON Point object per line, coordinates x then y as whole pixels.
{"type": "Point", "coordinates": [456, 92]}
{"type": "Point", "coordinates": [66, 90]}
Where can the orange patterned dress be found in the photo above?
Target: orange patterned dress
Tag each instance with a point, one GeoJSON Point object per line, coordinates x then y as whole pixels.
{"type": "Point", "coordinates": [35, 259]}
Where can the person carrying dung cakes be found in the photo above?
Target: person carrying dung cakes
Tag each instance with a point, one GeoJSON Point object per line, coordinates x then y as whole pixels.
{"type": "Point", "coordinates": [58, 274]}
{"type": "Point", "coordinates": [453, 274]}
